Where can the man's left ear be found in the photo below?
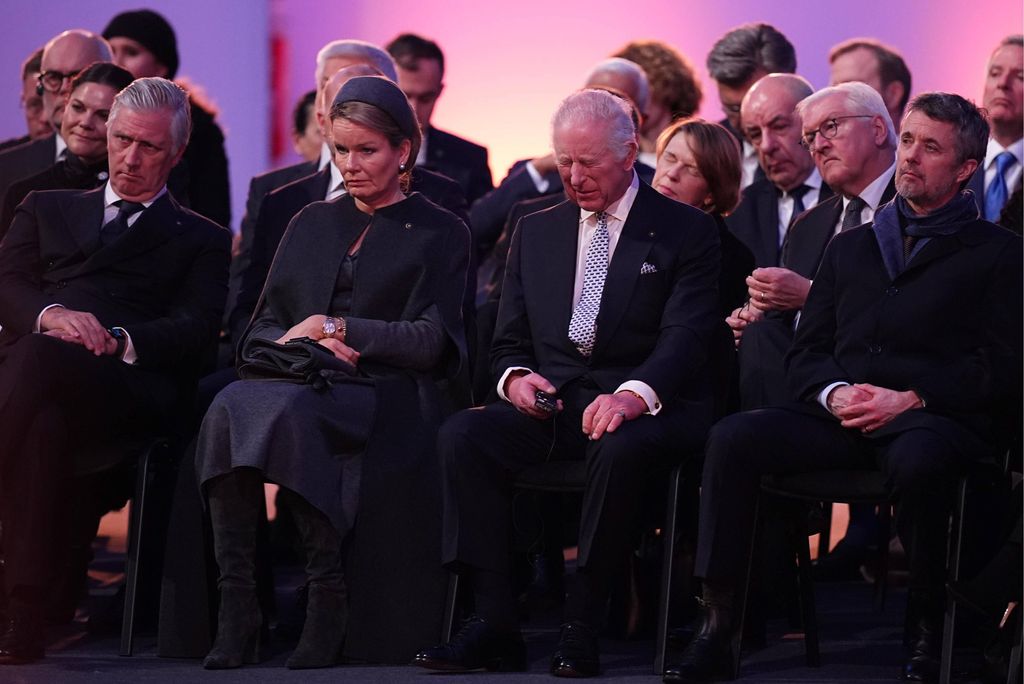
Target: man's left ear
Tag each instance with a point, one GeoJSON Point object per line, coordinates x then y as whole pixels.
{"type": "Point", "coordinates": [892, 93]}
{"type": "Point", "coordinates": [966, 170]}
{"type": "Point", "coordinates": [630, 159]}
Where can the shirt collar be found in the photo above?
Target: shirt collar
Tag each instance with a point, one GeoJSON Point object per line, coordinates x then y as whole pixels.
{"type": "Point", "coordinates": [994, 148]}
{"type": "Point", "coordinates": [336, 182]}
{"type": "Point", "coordinates": [325, 157]}
{"type": "Point", "coordinates": [61, 146]}
{"type": "Point", "coordinates": [619, 209]}
{"type": "Point", "coordinates": [109, 196]}
{"type": "Point", "coordinates": [872, 194]}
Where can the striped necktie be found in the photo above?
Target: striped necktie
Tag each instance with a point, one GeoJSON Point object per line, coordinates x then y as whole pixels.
{"type": "Point", "coordinates": [582, 326]}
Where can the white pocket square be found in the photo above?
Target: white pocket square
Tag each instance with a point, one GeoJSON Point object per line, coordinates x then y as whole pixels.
{"type": "Point", "coordinates": [648, 268]}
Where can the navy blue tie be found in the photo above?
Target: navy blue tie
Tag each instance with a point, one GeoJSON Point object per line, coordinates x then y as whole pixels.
{"type": "Point", "coordinates": [119, 224]}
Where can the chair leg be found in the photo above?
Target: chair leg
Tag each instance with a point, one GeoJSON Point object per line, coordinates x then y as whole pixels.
{"type": "Point", "coordinates": [955, 543]}
{"type": "Point", "coordinates": [1013, 670]}
{"type": "Point", "coordinates": [882, 555]}
{"type": "Point", "coordinates": [135, 517]}
{"type": "Point", "coordinates": [741, 599]}
{"type": "Point", "coordinates": [825, 538]}
{"type": "Point", "coordinates": [668, 552]}
{"type": "Point", "coordinates": [448, 621]}
{"type": "Point", "coordinates": [802, 544]}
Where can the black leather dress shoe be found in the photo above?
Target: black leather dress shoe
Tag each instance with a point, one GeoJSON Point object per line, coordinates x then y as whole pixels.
{"type": "Point", "coordinates": [577, 652]}
{"type": "Point", "coordinates": [22, 641]}
{"type": "Point", "coordinates": [708, 656]}
{"type": "Point", "coordinates": [476, 646]}
{"type": "Point", "coordinates": [925, 646]}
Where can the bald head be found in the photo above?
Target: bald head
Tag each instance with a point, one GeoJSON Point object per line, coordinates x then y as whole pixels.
{"type": "Point", "coordinates": [622, 76]}
{"type": "Point", "coordinates": [771, 124]}
{"type": "Point", "coordinates": [67, 54]}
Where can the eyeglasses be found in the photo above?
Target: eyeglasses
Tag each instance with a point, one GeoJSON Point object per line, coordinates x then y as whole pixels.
{"type": "Point", "coordinates": [829, 129]}
{"type": "Point", "coordinates": [53, 81]}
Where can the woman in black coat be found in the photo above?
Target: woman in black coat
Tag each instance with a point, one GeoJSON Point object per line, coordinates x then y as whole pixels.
{"type": "Point", "coordinates": [84, 129]}
{"type": "Point", "coordinates": [699, 164]}
{"type": "Point", "coordinates": [374, 281]}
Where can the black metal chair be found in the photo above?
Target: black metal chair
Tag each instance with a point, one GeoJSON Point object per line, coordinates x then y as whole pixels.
{"type": "Point", "coordinates": [568, 477]}
{"type": "Point", "coordinates": [839, 486]}
{"type": "Point", "coordinates": [140, 520]}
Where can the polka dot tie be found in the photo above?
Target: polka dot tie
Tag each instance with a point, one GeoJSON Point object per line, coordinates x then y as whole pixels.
{"type": "Point", "coordinates": [582, 326]}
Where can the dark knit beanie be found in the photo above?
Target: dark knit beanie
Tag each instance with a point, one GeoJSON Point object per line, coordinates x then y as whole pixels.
{"type": "Point", "coordinates": [150, 30]}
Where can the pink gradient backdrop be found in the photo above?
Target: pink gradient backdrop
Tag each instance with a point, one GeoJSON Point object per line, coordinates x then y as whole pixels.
{"type": "Point", "coordinates": [508, 64]}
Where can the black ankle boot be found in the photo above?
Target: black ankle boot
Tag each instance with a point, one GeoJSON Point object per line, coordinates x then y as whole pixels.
{"type": "Point", "coordinates": [235, 504]}
{"type": "Point", "coordinates": [323, 633]}
{"type": "Point", "coordinates": [708, 656]}
{"type": "Point", "coordinates": [925, 638]}
{"type": "Point", "coordinates": [238, 629]}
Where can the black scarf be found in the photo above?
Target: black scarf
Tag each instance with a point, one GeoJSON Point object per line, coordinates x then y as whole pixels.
{"type": "Point", "coordinates": [896, 220]}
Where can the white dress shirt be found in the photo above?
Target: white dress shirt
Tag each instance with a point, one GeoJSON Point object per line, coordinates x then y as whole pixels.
{"type": "Point", "coordinates": [336, 186]}
{"type": "Point", "coordinates": [617, 212]}
{"type": "Point", "coordinates": [872, 196]}
{"type": "Point", "coordinates": [61, 146]}
{"type": "Point", "coordinates": [786, 202]}
{"type": "Point", "coordinates": [750, 163]}
{"type": "Point", "coordinates": [109, 213]}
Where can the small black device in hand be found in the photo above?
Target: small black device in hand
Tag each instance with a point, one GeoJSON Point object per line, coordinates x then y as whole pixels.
{"type": "Point", "coordinates": [545, 402]}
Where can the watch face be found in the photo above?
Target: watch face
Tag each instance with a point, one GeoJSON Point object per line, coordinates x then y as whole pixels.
{"type": "Point", "coordinates": [330, 327]}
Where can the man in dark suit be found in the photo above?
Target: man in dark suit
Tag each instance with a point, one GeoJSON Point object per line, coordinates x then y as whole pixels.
{"type": "Point", "coordinates": [737, 61]}
{"type": "Point", "coordinates": [63, 57]}
{"type": "Point", "coordinates": [1002, 172]}
{"type": "Point", "coordinates": [609, 307]}
{"type": "Point", "coordinates": [36, 122]}
{"type": "Point", "coordinates": [538, 177]}
{"type": "Point", "coordinates": [108, 298]}
{"type": "Point", "coordinates": [877, 64]}
{"type": "Point", "coordinates": [853, 144]}
{"type": "Point", "coordinates": [421, 77]}
{"type": "Point", "coordinates": [907, 358]}
{"type": "Point", "coordinates": [792, 184]}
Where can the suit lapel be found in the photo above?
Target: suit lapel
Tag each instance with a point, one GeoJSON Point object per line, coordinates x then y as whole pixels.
{"type": "Point", "coordinates": [560, 247]}
{"type": "Point", "coordinates": [638, 233]}
{"type": "Point", "coordinates": [83, 217]}
{"type": "Point", "coordinates": [158, 223]}
{"type": "Point", "coordinates": [768, 220]}
{"type": "Point", "coordinates": [332, 240]}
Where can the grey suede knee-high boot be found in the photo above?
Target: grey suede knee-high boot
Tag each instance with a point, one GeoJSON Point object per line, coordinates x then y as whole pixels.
{"type": "Point", "coordinates": [323, 633]}
{"type": "Point", "coordinates": [234, 501]}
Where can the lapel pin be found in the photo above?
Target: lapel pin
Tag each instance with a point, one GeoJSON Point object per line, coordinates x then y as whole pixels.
{"type": "Point", "coordinates": [408, 226]}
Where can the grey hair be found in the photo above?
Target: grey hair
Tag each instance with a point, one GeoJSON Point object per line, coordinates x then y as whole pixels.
{"type": "Point", "coordinates": [357, 50]}
{"type": "Point", "coordinates": [860, 98]}
{"type": "Point", "coordinates": [593, 105]}
{"type": "Point", "coordinates": [741, 52]}
{"type": "Point", "coordinates": [156, 94]}
{"type": "Point", "coordinates": [640, 90]}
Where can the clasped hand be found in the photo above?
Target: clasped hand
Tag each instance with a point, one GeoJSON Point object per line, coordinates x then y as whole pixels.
{"type": "Point", "coordinates": [605, 414]}
{"type": "Point", "coordinates": [777, 289]}
{"type": "Point", "coordinates": [77, 327]}
{"type": "Point", "coordinates": [868, 407]}
{"type": "Point", "coordinates": [313, 328]}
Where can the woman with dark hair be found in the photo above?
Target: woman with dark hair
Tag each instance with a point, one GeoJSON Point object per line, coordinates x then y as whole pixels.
{"type": "Point", "coordinates": [362, 308]}
{"type": "Point", "coordinates": [84, 129]}
{"type": "Point", "coordinates": [699, 164]}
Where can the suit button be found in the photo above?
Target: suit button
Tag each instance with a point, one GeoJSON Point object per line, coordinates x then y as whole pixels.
{"type": "Point", "coordinates": [49, 264]}
{"type": "Point", "coordinates": [892, 291]}
{"type": "Point", "coordinates": [62, 284]}
{"type": "Point", "coordinates": [875, 349]}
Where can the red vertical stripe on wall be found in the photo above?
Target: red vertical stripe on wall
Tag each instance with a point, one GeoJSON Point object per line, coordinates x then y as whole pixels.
{"type": "Point", "coordinates": [279, 96]}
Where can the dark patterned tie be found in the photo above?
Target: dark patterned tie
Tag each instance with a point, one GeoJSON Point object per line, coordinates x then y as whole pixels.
{"type": "Point", "coordinates": [119, 224]}
{"type": "Point", "coordinates": [908, 246]}
{"type": "Point", "coordinates": [851, 217]}
{"type": "Point", "coordinates": [582, 328]}
{"type": "Point", "coordinates": [797, 194]}
{"type": "Point", "coordinates": [995, 196]}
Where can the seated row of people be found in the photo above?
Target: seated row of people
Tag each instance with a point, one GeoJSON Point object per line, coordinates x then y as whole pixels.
{"type": "Point", "coordinates": [604, 349]}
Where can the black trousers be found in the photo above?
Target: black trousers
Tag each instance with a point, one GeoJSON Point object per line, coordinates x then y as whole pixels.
{"type": "Point", "coordinates": [921, 467]}
{"type": "Point", "coordinates": [58, 402]}
{"type": "Point", "coordinates": [483, 449]}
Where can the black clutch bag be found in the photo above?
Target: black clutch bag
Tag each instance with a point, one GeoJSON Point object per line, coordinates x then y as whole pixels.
{"type": "Point", "coordinates": [297, 360]}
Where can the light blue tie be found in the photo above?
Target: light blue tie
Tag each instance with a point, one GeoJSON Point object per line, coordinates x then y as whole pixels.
{"type": "Point", "coordinates": [995, 196]}
{"type": "Point", "coordinates": [582, 326]}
